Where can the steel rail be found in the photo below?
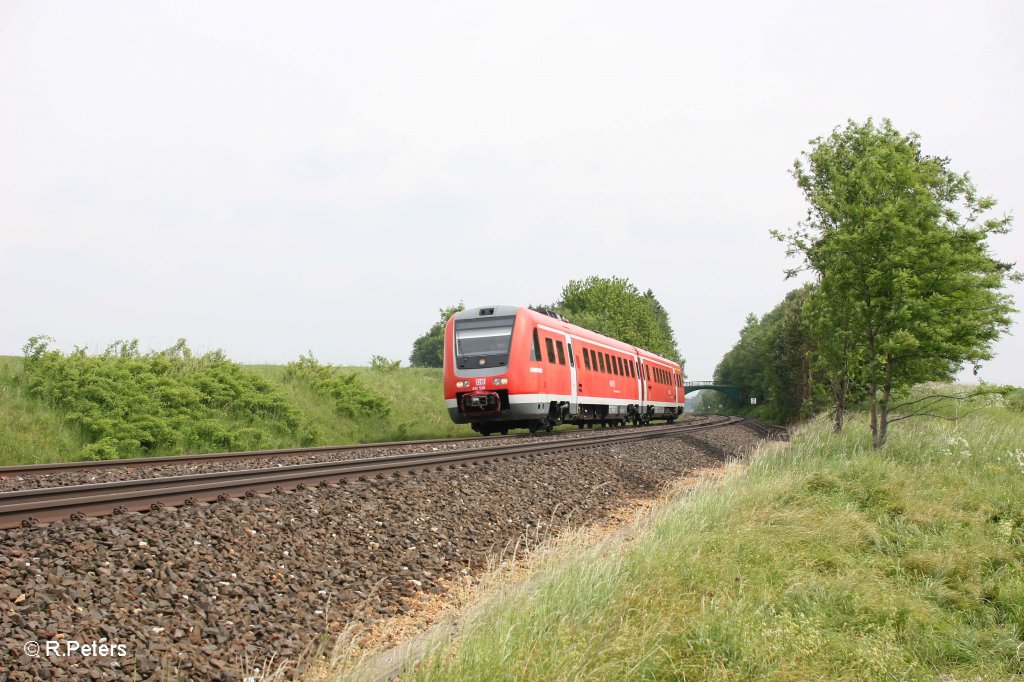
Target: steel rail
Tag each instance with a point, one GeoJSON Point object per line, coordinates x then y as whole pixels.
{"type": "Point", "coordinates": [59, 467]}
{"type": "Point", "coordinates": [56, 467]}
{"type": "Point", "coordinates": [43, 505]}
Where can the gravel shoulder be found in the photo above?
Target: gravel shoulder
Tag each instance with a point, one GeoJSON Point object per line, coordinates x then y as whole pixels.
{"type": "Point", "coordinates": [206, 592]}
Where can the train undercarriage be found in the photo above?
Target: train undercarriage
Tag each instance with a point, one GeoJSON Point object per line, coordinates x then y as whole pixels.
{"type": "Point", "coordinates": [587, 416]}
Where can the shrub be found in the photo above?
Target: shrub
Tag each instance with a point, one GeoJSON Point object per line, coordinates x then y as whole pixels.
{"type": "Point", "coordinates": [380, 363]}
{"type": "Point", "coordinates": [170, 401]}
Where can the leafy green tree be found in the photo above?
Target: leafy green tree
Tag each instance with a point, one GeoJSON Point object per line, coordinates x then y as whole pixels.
{"type": "Point", "coordinates": [615, 307]}
{"type": "Point", "coordinates": [898, 243]}
{"type": "Point", "coordinates": [428, 350]}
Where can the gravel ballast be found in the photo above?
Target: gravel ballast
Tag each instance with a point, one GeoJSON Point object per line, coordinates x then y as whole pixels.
{"type": "Point", "coordinates": [208, 591]}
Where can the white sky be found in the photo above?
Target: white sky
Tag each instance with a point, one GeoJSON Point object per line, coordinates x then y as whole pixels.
{"type": "Point", "coordinates": [272, 178]}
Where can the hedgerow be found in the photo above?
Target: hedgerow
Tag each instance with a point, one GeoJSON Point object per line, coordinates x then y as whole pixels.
{"type": "Point", "coordinates": [128, 403]}
{"type": "Point", "coordinates": [350, 396]}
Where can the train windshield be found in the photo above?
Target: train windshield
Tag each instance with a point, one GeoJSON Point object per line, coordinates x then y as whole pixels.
{"type": "Point", "coordinates": [487, 342]}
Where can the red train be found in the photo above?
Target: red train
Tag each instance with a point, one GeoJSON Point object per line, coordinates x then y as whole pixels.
{"type": "Point", "coordinates": [508, 367]}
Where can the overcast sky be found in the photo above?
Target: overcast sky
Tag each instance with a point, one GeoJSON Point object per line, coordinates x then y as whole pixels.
{"type": "Point", "coordinates": [274, 178]}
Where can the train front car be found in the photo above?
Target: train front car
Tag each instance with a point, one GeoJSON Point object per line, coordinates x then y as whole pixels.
{"type": "Point", "coordinates": [489, 363]}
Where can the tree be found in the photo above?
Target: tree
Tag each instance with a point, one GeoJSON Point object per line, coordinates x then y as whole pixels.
{"type": "Point", "coordinates": [770, 360]}
{"type": "Point", "coordinates": [908, 290]}
{"type": "Point", "coordinates": [428, 350]}
{"type": "Point", "coordinates": [615, 307]}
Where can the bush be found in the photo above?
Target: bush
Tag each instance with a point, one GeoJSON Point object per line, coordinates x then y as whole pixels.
{"type": "Point", "coordinates": [380, 363]}
{"type": "Point", "coordinates": [170, 401]}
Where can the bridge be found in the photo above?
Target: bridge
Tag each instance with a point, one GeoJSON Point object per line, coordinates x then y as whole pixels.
{"type": "Point", "coordinates": [731, 391]}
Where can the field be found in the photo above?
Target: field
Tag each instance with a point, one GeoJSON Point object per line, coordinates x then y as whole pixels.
{"type": "Point", "coordinates": [99, 408]}
{"type": "Point", "coordinates": [821, 560]}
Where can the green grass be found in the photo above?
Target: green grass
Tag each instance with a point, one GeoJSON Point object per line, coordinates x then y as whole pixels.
{"type": "Point", "coordinates": [415, 396]}
{"type": "Point", "coordinates": [823, 560]}
{"type": "Point", "coordinates": [34, 430]}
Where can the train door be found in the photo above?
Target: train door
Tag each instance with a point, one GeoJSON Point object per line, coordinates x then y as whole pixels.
{"type": "Point", "coordinates": [643, 387]}
{"type": "Point", "coordinates": [575, 398]}
{"type": "Point", "coordinates": [639, 383]}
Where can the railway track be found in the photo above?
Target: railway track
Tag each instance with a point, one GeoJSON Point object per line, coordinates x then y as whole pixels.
{"type": "Point", "coordinates": [45, 505]}
{"type": "Point", "coordinates": [767, 431]}
{"type": "Point", "coordinates": [143, 462]}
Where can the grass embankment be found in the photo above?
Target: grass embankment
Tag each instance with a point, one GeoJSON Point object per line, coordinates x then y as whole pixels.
{"type": "Point", "coordinates": [57, 407]}
{"type": "Point", "coordinates": [822, 560]}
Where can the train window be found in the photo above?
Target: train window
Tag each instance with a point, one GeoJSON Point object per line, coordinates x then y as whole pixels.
{"type": "Point", "coordinates": [586, 358]}
{"type": "Point", "coordinates": [629, 364]}
{"type": "Point", "coordinates": [535, 357]}
{"type": "Point", "coordinates": [551, 350]}
{"type": "Point", "coordinates": [600, 357]}
{"type": "Point", "coordinates": [568, 347]}
{"type": "Point", "coordinates": [608, 361]}
{"type": "Point", "coordinates": [561, 352]}
{"type": "Point", "coordinates": [615, 365]}
{"type": "Point", "coordinates": [618, 365]}
{"type": "Point", "coordinates": [647, 371]}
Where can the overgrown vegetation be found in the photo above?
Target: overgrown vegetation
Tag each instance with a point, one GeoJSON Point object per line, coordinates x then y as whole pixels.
{"type": "Point", "coordinates": [828, 559]}
{"type": "Point", "coordinates": [126, 403]}
{"type": "Point", "coordinates": [58, 407]}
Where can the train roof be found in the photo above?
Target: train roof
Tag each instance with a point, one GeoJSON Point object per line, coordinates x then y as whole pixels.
{"type": "Point", "coordinates": [553, 319]}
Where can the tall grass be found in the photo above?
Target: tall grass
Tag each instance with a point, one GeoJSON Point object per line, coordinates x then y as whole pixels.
{"type": "Point", "coordinates": [823, 560]}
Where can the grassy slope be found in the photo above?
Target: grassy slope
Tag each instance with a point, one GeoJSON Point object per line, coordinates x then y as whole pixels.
{"type": "Point", "coordinates": [415, 394]}
{"type": "Point", "coordinates": [824, 560]}
{"type": "Point", "coordinates": [31, 431]}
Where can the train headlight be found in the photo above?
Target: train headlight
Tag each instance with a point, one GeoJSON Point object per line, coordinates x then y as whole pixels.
{"type": "Point", "coordinates": [500, 381]}
{"type": "Point", "coordinates": [461, 384]}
